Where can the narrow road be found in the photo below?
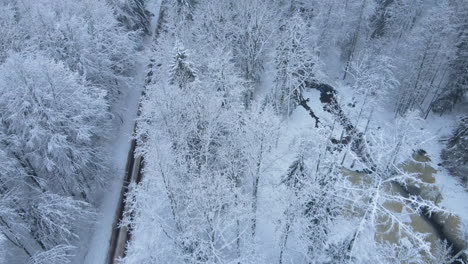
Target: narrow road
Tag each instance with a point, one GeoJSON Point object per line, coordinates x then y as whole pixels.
{"type": "Point", "coordinates": [133, 169]}
{"type": "Point", "coordinates": [120, 234]}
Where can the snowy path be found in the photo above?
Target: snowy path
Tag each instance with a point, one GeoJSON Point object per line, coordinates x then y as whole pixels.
{"type": "Point", "coordinates": [95, 250]}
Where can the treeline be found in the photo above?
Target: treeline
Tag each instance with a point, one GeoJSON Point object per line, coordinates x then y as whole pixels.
{"type": "Point", "coordinates": [64, 68]}
{"type": "Point", "coordinates": [226, 181]}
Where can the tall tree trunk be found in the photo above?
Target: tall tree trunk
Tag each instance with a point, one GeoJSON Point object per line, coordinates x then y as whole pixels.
{"type": "Point", "coordinates": [355, 40]}
{"type": "Point", "coordinates": [255, 188]}
{"type": "Point", "coordinates": [284, 240]}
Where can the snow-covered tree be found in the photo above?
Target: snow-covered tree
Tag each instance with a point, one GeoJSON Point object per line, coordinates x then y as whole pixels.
{"type": "Point", "coordinates": [12, 36]}
{"type": "Point", "coordinates": [63, 65]}
{"type": "Point", "coordinates": [374, 84]}
{"type": "Point", "coordinates": [313, 207]}
{"type": "Point", "coordinates": [365, 9]}
{"type": "Point", "coordinates": [133, 15]}
{"type": "Point", "coordinates": [252, 27]}
{"type": "Point", "coordinates": [182, 71]}
{"type": "Point", "coordinates": [85, 36]}
{"type": "Point", "coordinates": [260, 135]}
{"type": "Point", "coordinates": [225, 78]}
{"type": "Point", "coordinates": [57, 255]}
{"type": "Point", "coordinates": [184, 9]}
{"type": "Point", "coordinates": [429, 51]}
{"type": "Point", "coordinates": [295, 63]}
{"type": "Point", "coordinates": [224, 182]}
{"type": "Point", "coordinates": [188, 163]}
{"type": "Point", "coordinates": [52, 122]}
{"type": "Point", "coordinates": [396, 19]}
{"type": "Point", "coordinates": [375, 194]}
{"type": "Point", "coordinates": [51, 126]}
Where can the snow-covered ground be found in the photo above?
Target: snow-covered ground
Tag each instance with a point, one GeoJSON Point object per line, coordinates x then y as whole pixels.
{"type": "Point", "coordinates": [454, 195]}
{"type": "Point", "coordinates": [94, 244]}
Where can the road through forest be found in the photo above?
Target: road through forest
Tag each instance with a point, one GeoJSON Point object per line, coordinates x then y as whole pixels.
{"type": "Point", "coordinates": [133, 170]}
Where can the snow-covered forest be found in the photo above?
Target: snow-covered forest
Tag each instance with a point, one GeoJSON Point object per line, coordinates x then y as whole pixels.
{"type": "Point", "coordinates": [266, 131]}
{"type": "Point", "coordinates": [65, 68]}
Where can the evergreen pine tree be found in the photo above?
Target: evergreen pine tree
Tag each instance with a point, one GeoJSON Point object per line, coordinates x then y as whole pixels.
{"type": "Point", "coordinates": [182, 72]}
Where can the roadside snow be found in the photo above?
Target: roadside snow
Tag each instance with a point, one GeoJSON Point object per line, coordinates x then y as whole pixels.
{"type": "Point", "coordinates": [96, 249]}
